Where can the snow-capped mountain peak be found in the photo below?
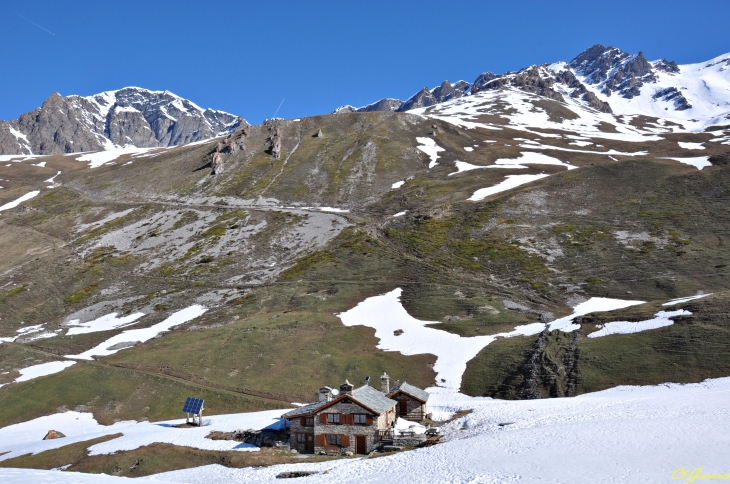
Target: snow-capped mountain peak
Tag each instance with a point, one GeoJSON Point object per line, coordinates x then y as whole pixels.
{"type": "Point", "coordinates": [126, 117]}
{"type": "Point", "coordinates": [605, 80]}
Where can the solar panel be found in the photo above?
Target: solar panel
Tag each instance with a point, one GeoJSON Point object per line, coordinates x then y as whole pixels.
{"type": "Point", "coordinates": [193, 405]}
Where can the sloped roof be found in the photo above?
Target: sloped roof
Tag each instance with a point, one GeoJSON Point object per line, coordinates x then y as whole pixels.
{"type": "Point", "coordinates": [304, 410]}
{"type": "Point", "coordinates": [365, 395]}
{"type": "Point", "coordinates": [415, 392]}
{"type": "Point", "coordinates": [372, 399]}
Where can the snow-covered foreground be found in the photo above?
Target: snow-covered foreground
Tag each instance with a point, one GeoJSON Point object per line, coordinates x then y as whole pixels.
{"type": "Point", "coordinates": [25, 437]}
{"type": "Point", "coordinates": [26, 476]}
{"type": "Point", "coordinates": [626, 434]}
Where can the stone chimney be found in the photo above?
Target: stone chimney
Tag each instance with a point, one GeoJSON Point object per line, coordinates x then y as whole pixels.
{"type": "Point", "coordinates": [325, 394]}
{"type": "Point", "coordinates": [385, 383]}
{"type": "Point", "coordinates": [346, 388]}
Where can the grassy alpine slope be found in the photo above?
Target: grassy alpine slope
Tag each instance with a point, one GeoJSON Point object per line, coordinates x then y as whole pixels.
{"type": "Point", "coordinates": [161, 233]}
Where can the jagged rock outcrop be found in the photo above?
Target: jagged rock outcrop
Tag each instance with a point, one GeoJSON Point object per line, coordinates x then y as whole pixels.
{"type": "Point", "coordinates": [481, 81]}
{"type": "Point", "coordinates": [345, 109]}
{"type": "Point", "coordinates": [127, 117]}
{"type": "Point", "coordinates": [615, 70]}
{"type": "Point", "coordinates": [276, 144]}
{"type": "Point", "coordinates": [421, 99]}
{"type": "Point", "coordinates": [216, 163]}
{"type": "Point", "coordinates": [386, 104]}
{"type": "Point", "coordinates": [552, 368]}
{"type": "Point", "coordinates": [673, 94]}
{"type": "Point", "coordinates": [580, 91]}
{"type": "Point", "coordinates": [447, 91]}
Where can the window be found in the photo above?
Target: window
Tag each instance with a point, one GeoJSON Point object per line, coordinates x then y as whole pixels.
{"type": "Point", "coordinates": [360, 418]}
{"type": "Point", "coordinates": [333, 418]}
{"type": "Point", "coordinates": [309, 422]}
{"type": "Point", "coordinates": [300, 438]}
{"type": "Point", "coordinates": [334, 440]}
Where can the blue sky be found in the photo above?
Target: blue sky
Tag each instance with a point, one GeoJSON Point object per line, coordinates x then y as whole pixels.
{"type": "Point", "coordinates": [245, 57]}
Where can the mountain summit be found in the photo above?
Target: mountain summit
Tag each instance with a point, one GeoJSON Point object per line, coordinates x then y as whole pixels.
{"type": "Point", "coordinates": [127, 117]}
{"type": "Point", "coordinates": [605, 79]}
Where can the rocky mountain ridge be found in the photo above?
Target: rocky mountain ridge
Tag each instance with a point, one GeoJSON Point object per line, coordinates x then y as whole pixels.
{"type": "Point", "coordinates": [127, 117]}
{"type": "Point", "coordinates": [605, 79]}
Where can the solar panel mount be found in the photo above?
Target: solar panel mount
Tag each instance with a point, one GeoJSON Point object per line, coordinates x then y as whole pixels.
{"type": "Point", "coordinates": [193, 405]}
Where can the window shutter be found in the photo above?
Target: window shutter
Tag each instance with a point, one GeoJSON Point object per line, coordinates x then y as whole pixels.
{"type": "Point", "coordinates": [323, 419]}
{"type": "Point", "coordinates": [303, 421]}
{"type": "Point", "coordinates": [369, 420]}
{"type": "Point", "coordinates": [345, 441]}
{"type": "Point", "coordinates": [320, 440]}
{"type": "Point", "coordinates": [349, 419]}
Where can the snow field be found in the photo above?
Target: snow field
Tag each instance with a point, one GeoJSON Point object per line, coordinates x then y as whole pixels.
{"type": "Point", "coordinates": [593, 305]}
{"type": "Point", "coordinates": [135, 336]}
{"type": "Point", "coordinates": [43, 369]}
{"type": "Point", "coordinates": [628, 327]}
{"type": "Point", "coordinates": [25, 437]}
{"type": "Point", "coordinates": [429, 146]}
{"type": "Point", "coordinates": [698, 162]}
{"type": "Point", "coordinates": [685, 299]}
{"type": "Point", "coordinates": [625, 434]}
{"type": "Point", "coordinates": [25, 476]}
{"type": "Point", "coordinates": [103, 323]}
{"type": "Point", "coordinates": [511, 181]}
{"type": "Point", "coordinates": [386, 315]}
{"type": "Point", "coordinates": [100, 158]}
{"type": "Point", "coordinates": [20, 200]}
{"type": "Point", "coordinates": [690, 146]}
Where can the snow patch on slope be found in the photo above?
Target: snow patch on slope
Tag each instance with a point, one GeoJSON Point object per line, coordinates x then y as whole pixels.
{"type": "Point", "coordinates": [511, 181]}
{"type": "Point", "coordinates": [135, 336]}
{"type": "Point", "coordinates": [429, 146]}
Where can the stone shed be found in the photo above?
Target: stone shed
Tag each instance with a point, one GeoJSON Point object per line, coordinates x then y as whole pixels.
{"type": "Point", "coordinates": [411, 401]}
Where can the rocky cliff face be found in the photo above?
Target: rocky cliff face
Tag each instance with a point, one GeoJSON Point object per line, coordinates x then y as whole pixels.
{"type": "Point", "coordinates": [614, 70]}
{"type": "Point", "coordinates": [129, 116]}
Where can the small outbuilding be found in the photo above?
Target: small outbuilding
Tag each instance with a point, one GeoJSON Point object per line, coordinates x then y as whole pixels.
{"type": "Point", "coordinates": [411, 401]}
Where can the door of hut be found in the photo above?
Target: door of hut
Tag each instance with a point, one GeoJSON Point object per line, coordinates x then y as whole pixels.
{"type": "Point", "coordinates": [403, 407]}
{"type": "Point", "coordinates": [361, 444]}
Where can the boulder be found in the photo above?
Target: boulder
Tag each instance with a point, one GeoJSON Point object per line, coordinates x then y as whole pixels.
{"type": "Point", "coordinates": [53, 434]}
